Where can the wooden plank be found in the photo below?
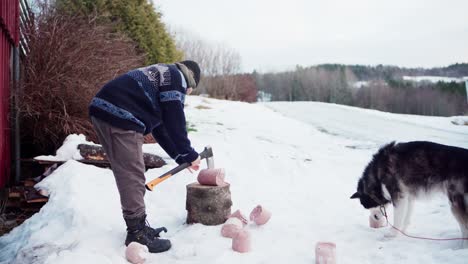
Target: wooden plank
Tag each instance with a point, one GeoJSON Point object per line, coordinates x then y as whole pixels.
{"type": "Point", "coordinates": [29, 183]}
{"type": "Point", "coordinates": [15, 192]}
{"type": "Point", "coordinates": [31, 195]}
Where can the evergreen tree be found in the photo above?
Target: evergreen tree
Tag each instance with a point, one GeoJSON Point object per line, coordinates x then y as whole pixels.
{"type": "Point", "coordinates": [138, 19]}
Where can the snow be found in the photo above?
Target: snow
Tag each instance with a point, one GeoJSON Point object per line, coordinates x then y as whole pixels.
{"type": "Point", "coordinates": [433, 79]}
{"type": "Point", "coordinates": [460, 120]}
{"type": "Point", "coordinates": [360, 84]}
{"type": "Point", "coordinates": [301, 161]}
{"type": "Point", "coordinates": [371, 127]}
{"type": "Point", "coordinates": [69, 149]}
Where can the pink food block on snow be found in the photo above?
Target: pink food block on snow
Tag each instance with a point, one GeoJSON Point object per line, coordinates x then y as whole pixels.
{"type": "Point", "coordinates": [231, 227]}
{"type": "Point", "coordinates": [238, 214]}
{"type": "Point", "coordinates": [136, 253]}
{"type": "Point", "coordinates": [241, 242]}
{"type": "Point", "coordinates": [376, 218]}
{"type": "Point", "coordinates": [260, 215]}
{"type": "Point", "coordinates": [325, 253]}
{"type": "Point", "coordinates": [214, 177]}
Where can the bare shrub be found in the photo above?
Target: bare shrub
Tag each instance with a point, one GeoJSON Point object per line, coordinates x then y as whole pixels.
{"type": "Point", "coordinates": [70, 58]}
{"type": "Point", "coordinates": [218, 62]}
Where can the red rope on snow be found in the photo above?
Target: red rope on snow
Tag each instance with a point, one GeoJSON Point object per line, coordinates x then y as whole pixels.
{"type": "Point", "coordinates": [384, 212]}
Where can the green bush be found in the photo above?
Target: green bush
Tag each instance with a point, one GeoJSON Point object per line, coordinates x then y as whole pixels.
{"type": "Point", "coordinates": [138, 19]}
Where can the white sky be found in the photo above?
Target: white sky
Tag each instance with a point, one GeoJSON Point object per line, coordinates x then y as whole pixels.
{"type": "Point", "coordinates": [273, 35]}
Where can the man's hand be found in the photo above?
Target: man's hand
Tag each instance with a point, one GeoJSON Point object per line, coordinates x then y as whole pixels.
{"type": "Point", "coordinates": [195, 165]}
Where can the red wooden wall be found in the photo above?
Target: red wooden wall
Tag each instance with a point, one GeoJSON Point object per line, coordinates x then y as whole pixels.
{"type": "Point", "coordinates": [9, 26]}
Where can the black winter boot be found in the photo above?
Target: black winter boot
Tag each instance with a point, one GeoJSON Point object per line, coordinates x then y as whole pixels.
{"type": "Point", "coordinates": [138, 231]}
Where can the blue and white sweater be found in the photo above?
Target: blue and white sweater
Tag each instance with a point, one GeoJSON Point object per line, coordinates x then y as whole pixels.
{"type": "Point", "coordinates": [148, 100]}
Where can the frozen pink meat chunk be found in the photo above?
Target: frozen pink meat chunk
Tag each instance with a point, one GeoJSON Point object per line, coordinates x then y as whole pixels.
{"type": "Point", "coordinates": [325, 253]}
{"type": "Point", "coordinates": [231, 227]}
{"type": "Point", "coordinates": [241, 242]}
{"type": "Point", "coordinates": [136, 253]}
{"type": "Point", "coordinates": [260, 215]}
{"type": "Point", "coordinates": [213, 177]}
{"type": "Point", "coordinates": [238, 214]}
{"type": "Point", "coordinates": [376, 218]}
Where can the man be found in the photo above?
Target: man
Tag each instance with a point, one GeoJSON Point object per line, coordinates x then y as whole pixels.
{"type": "Point", "coordinates": [141, 101]}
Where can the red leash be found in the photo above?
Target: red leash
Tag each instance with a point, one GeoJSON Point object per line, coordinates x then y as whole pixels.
{"type": "Point", "coordinates": [384, 212]}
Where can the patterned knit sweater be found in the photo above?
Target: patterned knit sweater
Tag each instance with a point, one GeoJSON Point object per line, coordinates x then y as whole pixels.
{"type": "Point", "coordinates": [148, 100]}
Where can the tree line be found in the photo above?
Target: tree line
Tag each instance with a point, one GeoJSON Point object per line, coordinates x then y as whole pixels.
{"type": "Point", "coordinates": [376, 87]}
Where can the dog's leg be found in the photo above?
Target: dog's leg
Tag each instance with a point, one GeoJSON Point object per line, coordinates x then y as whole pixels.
{"type": "Point", "coordinates": [464, 235]}
{"type": "Point", "coordinates": [408, 214]}
{"type": "Point", "coordinates": [400, 207]}
{"type": "Point", "coordinates": [458, 207]}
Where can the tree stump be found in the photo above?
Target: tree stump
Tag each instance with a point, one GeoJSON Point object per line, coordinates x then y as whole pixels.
{"type": "Point", "coordinates": [208, 205]}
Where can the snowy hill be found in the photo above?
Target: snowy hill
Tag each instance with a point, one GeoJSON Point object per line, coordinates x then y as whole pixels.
{"type": "Point", "coordinates": [299, 160]}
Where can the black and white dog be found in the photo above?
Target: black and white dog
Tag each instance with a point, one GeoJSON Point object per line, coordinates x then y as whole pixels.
{"type": "Point", "coordinates": [399, 173]}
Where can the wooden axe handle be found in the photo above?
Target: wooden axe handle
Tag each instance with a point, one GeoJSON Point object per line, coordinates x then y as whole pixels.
{"type": "Point", "coordinates": [207, 153]}
{"type": "Point", "coordinates": [150, 185]}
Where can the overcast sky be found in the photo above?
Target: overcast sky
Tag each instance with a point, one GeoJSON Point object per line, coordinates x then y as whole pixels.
{"type": "Point", "coordinates": [273, 35]}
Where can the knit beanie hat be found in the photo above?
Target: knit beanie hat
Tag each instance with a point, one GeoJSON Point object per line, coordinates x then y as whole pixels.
{"type": "Point", "coordinates": [194, 68]}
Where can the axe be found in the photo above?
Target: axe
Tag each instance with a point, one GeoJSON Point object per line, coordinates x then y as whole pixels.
{"type": "Point", "coordinates": [207, 154]}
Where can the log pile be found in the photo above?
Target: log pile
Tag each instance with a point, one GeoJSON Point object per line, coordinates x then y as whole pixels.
{"type": "Point", "coordinates": [96, 154]}
{"type": "Point", "coordinates": [18, 203]}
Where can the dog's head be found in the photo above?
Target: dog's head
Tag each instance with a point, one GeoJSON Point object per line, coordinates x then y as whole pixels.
{"type": "Point", "coordinates": [365, 198]}
{"type": "Point", "coordinates": [369, 189]}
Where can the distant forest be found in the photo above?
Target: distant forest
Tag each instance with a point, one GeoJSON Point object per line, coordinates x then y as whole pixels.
{"type": "Point", "coordinates": [380, 87]}
{"type": "Point", "coordinates": [376, 87]}
{"type": "Point", "coordinates": [458, 70]}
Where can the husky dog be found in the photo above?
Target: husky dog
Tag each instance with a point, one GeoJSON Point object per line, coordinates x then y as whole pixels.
{"type": "Point", "coordinates": [399, 173]}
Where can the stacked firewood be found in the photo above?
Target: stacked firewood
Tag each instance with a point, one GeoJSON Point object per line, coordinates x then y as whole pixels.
{"type": "Point", "coordinates": [19, 203]}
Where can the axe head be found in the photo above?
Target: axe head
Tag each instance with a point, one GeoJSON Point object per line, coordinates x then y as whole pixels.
{"type": "Point", "coordinates": [207, 154]}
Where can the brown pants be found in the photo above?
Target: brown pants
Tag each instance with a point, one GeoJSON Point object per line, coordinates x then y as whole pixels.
{"type": "Point", "coordinates": [124, 151]}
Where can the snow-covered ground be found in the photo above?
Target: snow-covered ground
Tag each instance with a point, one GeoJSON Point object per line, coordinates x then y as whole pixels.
{"type": "Point", "coordinates": [360, 84]}
{"type": "Point", "coordinates": [460, 120]}
{"type": "Point", "coordinates": [375, 127]}
{"type": "Point", "coordinates": [299, 160]}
